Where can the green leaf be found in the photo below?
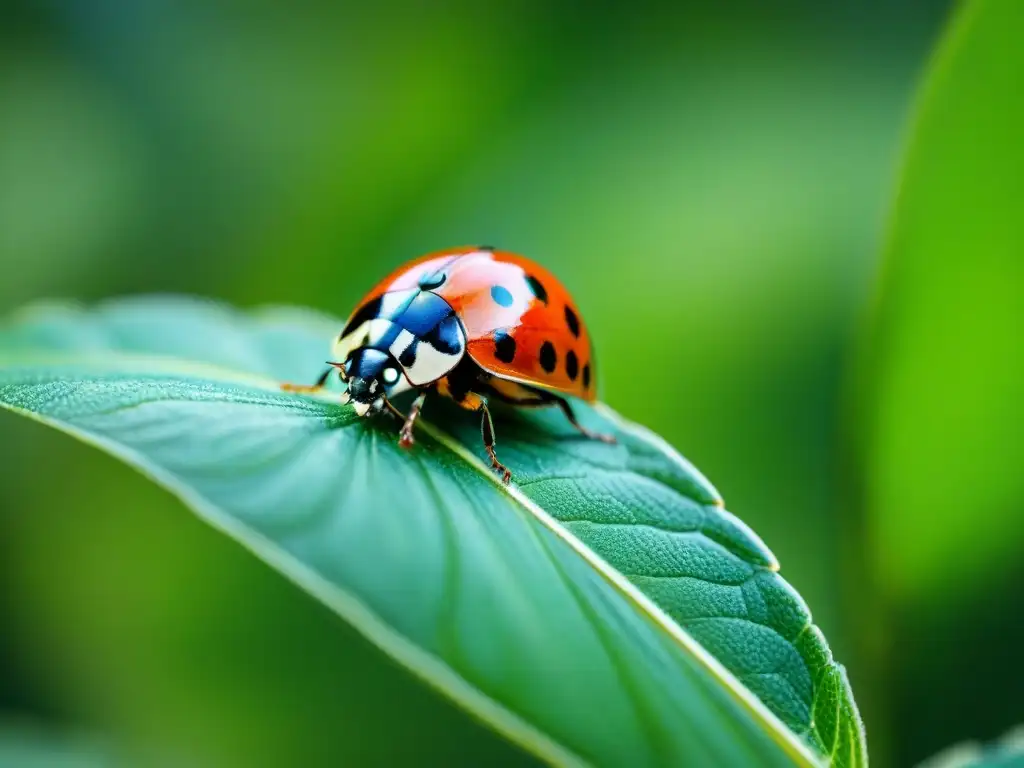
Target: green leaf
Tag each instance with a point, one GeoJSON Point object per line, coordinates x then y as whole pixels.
{"type": "Point", "coordinates": [943, 367]}
{"type": "Point", "coordinates": [30, 746]}
{"type": "Point", "coordinates": [1007, 752]}
{"type": "Point", "coordinates": [505, 599]}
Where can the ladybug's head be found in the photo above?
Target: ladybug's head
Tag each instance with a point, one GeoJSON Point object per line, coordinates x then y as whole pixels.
{"type": "Point", "coordinates": [371, 376]}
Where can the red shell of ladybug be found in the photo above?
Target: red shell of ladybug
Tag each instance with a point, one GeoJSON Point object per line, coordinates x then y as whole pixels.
{"type": "Point", "coordinates": [474, 324]}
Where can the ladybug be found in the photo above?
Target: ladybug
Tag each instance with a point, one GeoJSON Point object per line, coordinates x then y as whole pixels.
{"type": "Point", "coordinates": [474, 324]}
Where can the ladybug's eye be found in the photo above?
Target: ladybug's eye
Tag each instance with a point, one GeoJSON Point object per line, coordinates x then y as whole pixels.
{"type": "Point", "coordinates": [390, 376]}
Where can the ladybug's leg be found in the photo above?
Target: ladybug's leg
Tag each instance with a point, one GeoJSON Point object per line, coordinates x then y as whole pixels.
{"type": "Point", "coordinates": [525, 396]}
{"type": "Point", "coordinates": [487, 429]}
{"type": "Point", "coordinates": [471, 401]}
{"type": "Point", "coordinates": [405, 437]}
{"type": "Point", "coordinates": [567, 410]}
{"type": "Point", "coordinates": [394, 411]}
{"type": "Point", "coordinates": [289, 387]}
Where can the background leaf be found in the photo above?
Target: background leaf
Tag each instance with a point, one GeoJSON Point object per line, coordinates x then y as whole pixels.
{"type": "Point", "coordinates": [25, 746]}
{"type": "Point", "coordinates": [947, 382]}
{"type": "Point", "coordinates": [1007, 752]}
{"type": "Point", "coordinates": [759, 626]}
{"type": "Point", "coordinates": [941, 379]}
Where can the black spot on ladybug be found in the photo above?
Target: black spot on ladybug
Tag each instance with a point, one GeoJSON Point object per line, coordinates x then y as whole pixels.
{"type": "Point", "coordinates": [501, 295]}
{"type": "Point", "coordinates": [537, 288]}
{"type": "Point", "coordinates": [504, 347]}
{"type": "Point", "coordinates": [572, 365]}
{"type": "Point", "coordinates": [572, 321]}
{"type": "Point", "coordinates": [548, 358]}
{"type": "Point", "coordinates": [586, 376]}
{"type": "Point", "coordinates": [408, 358]}
{"type": "Point", "coordinates": [432, 280]}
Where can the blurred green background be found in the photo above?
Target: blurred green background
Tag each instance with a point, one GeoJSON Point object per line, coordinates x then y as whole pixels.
{"type": "Point", "coordinates": [713, 184]}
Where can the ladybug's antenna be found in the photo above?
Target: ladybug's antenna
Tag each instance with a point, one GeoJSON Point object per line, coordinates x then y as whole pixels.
{"type": "Point", "coordinates": [341, 369]}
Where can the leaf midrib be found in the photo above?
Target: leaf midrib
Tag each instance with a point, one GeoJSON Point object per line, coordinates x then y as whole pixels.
{"type": "Point", "coordinates": [510, 724]}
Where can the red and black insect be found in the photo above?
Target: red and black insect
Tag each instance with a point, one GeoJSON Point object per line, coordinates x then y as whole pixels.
{"type": "Point", "coordinates": [472, 324]}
